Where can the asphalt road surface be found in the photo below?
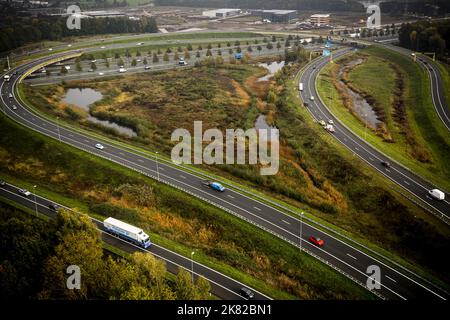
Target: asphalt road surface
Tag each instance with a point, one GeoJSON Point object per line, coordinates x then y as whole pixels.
{"type": "Point", "coordinates": [222, 286]}
{"type": "Point", "coordinates": [395, 283]}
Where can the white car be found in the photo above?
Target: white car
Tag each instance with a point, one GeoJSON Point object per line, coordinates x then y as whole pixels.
{"type": "Point", "coordinates": [50, 49]}
{"type": "Point", "coordinates": [330, 121]}
{"type": "Point", "coordinates": [100, 73]}
{"type": "Point", "coordinates": [24, 192]}
{"type": "Point", "coordinates": [311, 98]}
{"type": "Point", "coordinates": [102, 47]}
{"type": "Point", "coordinates": [99, 146]}
{"type": "Point", "coordinates": [122, 70]}
{"type": "Point", "coordinates": [69, 45]}
{"type": "Point", "coordinates": [14, 107]}
{"type": "Point", "coordinates": [322, 123]}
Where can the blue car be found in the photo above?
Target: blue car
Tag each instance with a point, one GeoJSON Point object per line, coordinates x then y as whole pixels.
{"type": "Point", "coordinates": [217, 186]}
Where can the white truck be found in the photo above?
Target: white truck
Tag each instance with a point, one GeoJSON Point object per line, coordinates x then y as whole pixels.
{"type": "Point", "coordinates": [437, 194]}
{"type": "Point", "coordinates": [6, 77]}
{"type": "Point", "coordinates": [329, 128]}
{"type": "Point", "coordinates": [126, 231]}
{"type": "Point", "coordinates": [300, 86]}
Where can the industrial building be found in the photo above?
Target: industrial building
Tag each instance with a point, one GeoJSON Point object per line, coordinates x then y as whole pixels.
{"type": "Point", "coordinates": [221, 13]}
{"type": "Point", "coordinates": [278, 16]}
{"type": "Point", "coordinates": [320, 19]}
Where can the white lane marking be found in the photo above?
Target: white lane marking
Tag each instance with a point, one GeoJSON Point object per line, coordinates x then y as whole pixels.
{"type": "Point", "coordinates": [257, 208]}
{"type": "Point", "coordinates": [351, 256]}
{"type": "Point", "coordinates": [371, 159]}
{"type": "Point", "coordinates": [140, 160]}
{"type": "Point", "coordinates": [406, 182]}
{"type": "Point", "coordinates": [390, 278]}
{"type": "Point", "coordinates": [285, 221]}
{"type": "Point", "coordinates": [185, 178]}
{"type": "Point", "coordinates": [230, 196]}
{"type": "Point", "coordinates": [388, 170]}
{"type": "Point", "coordinates": [356, 148]}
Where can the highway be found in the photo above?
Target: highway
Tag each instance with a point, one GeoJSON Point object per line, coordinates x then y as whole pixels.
{"type": "Point", "coordinates": [397, 173]}
{"type": "Point", "coordinates": [394, 283]}
{"type": "Point", "coordinates": [222, 286]}
{"type": "Point", "coordinates": [436, 83]}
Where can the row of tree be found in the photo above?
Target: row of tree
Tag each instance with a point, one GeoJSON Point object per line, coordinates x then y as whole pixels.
{"type": "Point", "coordinates": [426, 37]}
{"type": "Point", "coordinates": [34, 256]}
{"type": "Point", "coordinates": [16, 32]}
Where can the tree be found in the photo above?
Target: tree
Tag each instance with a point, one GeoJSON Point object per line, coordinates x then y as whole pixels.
{"type": "Point", "coordinates": [159, 51]}
{"type": "Point", "coordinates": [237, 43]}
{"type": "Point", "coordinates": [63, 70]}
{"type": "Point", "coordinates": [208, 53]}
{"type": "Point", "coordinates": [274, 39]}
{"type": "Point", "coordinates": [116, 55]}
{"type": "Point", "coordinates": [133, 62]}
{"type": "Point", "coordinates": [138, 53]}
{"type": "Point", "coordinates": [228, 44]}
{"type": "Point", "coordinates": [249, 49]}
{"type": "Point", "coordinates": [199, 48]}
{"type": "Point", "coordinates": [179, 49]}
{"type": "Point", "coordinates": [197, 54]}
{"type": "Point", "coordinates": [219, 45]}
{"type": "Point", "coordinates": [209, 46]}
{"type": "Point", "coordinates": [189, 47]}
{"type": "Point", "coordinates": [145, 62]}
{"type": "Point", "coordinates": [127, 54]}
{"type": "Point", "coordinates": [269, 46]}
{"type": "Point", "coordinates": [78, 67]}
{"type": "Point", "coordinates": [93, 66]}
{"type": "Point", "coordinates": [230, 51]}
{"type": "Point", "coordinates": [238, 50]}
{"type": "Point", "coordinates": [155, 58]}
{"type": "Point", "coordinates": [166, 57]}
{"type": "Point", "coordinates": [187, 55]}
{"type": "Point", "coordinates": [259, 48]}
{"type": "Point", "coordinates": [278, 45]}
{"type": "Point", "coordinates": [219, 52]}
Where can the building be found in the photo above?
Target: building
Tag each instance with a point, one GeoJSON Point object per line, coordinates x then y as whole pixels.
{"type": "Point", "coordinates": [278, 16]}
{"type": "Point", "coordinates": [320, 19]}
{"type": "Point", "coordinates": [221, 13]}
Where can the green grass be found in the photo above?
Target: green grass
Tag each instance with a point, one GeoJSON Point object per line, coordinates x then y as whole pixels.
{"type": "Point", "coordinates": [445, 73]}
{"type": "Point", "coordinates": [425, 124]}
{"type": "Point", "coordinates": [341, 226]}
{"type": "Point", "coordinates": [64, 160]}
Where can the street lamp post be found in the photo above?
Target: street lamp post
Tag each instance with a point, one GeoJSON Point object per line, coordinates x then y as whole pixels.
{"type": "Point", "coordinates": [301, 230]}
{"type": "Point", "coordinates": [192, 265]}
{"type": "Point", "coordinates": [157, 166]}
{"type": "Point", "coordinates": [57, 126]}
{"type": "Point", "coordinates": [35, 201]}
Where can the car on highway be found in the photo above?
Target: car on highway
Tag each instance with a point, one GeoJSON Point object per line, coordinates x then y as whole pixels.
{"type": "Point", "coordinates": [246, 293]}
{"type": "Point", "coordinates": [102, 47]}
{"type": "Point", "coordinates": [322, 123]}
{"type": "Point", "coordinates": [50, 49]}
{"type": "Point", "coordinates": [99, 146]}
{"type": "Point", "coordinates": [24, 192]}
{"type": "Point", "coordinates": [311, 98]}
{"type": "Point", "coordinates": [91, 70]}
{"type": "Point", "coordinates": [437, 194]}
{"type": "Point", "coordinates": [69, 45]}
{"type": "Point", "coordinates": [385, 164]}
{"type": "Point", "coordinates": [139, 43]}
{"type": "Point", "coordinates": [100, 73]}
{"type": "Point", "coordinates": [10, 95]}
{"type": "Point", "coordinates": [122, 70]}
{"type": "Point", "coordinates": [182, 63]}
{"type": "Point", "coordinates": [317, 241]}
{"type": "Point", "coordinates": [147, 67]}
{"type": "Point", "coordinates": [330, 121]}
{"type": "Point", "coordinates": [215, 185]}
{"type": "Point", "coordinates": [2, 183]}
{"type": "Point", "coordinates": [53, 207]}
{"type": "Point", "coordinates": [14, 107]}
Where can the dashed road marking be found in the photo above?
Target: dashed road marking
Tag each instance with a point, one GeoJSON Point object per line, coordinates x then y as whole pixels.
{"type": "Point", "coordinates": [390, 278]}
{"type": "Point", "coordinates": [230, 196]}
{"type": "Point", "coordinates": [257, 208]}
{"type": "Point", "coordinates": [286, 222]}
{"type": "Point", "coordinates": [351, 256]}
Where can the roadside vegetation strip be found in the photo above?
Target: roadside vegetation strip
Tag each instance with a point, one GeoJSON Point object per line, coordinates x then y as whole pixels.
{"type": "Point", "coordinates": [366, 246]}
{"type": "Point", "coordinates": [417, 89]}
{"type": "Point", "coordinates": [444, 70]}
{"type": "Point", "coordinates": [263, 198]}
{"type": "Point", "coordinates": [186, 206]}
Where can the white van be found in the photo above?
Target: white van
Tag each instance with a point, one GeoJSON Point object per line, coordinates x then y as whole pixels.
{"type": "Point", "coordinates": [122, 70]}
{"type": "Point", "coordinates": [437, 194]}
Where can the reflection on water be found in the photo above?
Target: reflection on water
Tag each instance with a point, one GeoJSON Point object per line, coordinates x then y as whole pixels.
{"type": "Point", "coordinates": [84, 98]}
{"type": "Point", "coordinates": [262, 124]}
{"type": "Point", "coordinates": [272, 67]}
{"type": "Point", "coordinates": [360, 105]}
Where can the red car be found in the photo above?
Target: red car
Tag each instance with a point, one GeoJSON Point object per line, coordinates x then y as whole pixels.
{"type": "Point", "coordinates": [317, 241]}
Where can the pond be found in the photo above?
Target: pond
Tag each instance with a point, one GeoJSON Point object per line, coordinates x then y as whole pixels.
{"type": "Point", "coordinates": [261, 123]}
{"type": "Point", "coordinates": [83, 98]}
{"type": "Point", "coordinates": [359, 103]}
{"type": "Point", "coordinates": [272, 67]}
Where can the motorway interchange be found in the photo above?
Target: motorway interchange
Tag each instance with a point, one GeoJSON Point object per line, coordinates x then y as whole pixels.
{"type": "Point", "coordinates": [346, 257]}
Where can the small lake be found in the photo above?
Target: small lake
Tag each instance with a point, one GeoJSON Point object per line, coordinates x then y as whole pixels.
{"type": "Point", "coordinates": [360, 104]}
{"type": "Point", "coordinates": [261, 123]}
{"type": "Point", "coordinates": [272, 67]}
{"type": "Point", "coordinates": [83, 98]}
